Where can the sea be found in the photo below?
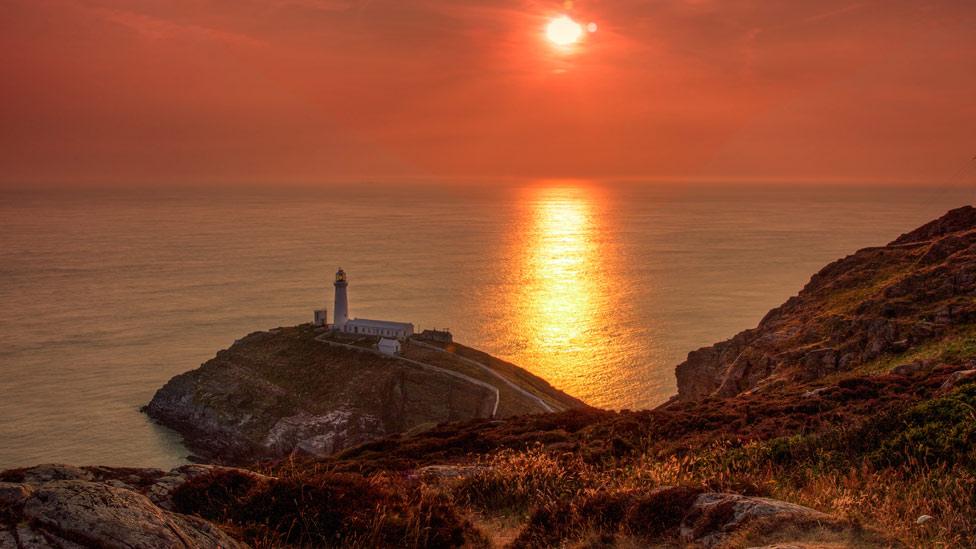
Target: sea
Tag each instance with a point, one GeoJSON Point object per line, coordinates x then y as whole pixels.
{"type": "Point", "coordinates": [600, 288]}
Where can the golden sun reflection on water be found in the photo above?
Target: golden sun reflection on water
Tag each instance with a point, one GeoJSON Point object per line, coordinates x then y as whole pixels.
{"type": "Point", "coordinates": [561, 268]}
{"type": "Point", "coordinates": [564, 299]}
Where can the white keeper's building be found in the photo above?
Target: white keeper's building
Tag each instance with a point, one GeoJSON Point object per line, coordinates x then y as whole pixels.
{"type": "Point", "coordinates": [381, 328]}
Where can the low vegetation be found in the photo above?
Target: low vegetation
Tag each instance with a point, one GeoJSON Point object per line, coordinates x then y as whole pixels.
{"type": "Point", "coordinates": [596, 478]}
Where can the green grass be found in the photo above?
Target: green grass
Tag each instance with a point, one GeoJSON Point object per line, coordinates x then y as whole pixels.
{"type": "Point", "coordinates": [938, 431]}
{"type": "Point", "coordinates": [954, 347]}
{"type": "Point", "coordinates": [845, 301]}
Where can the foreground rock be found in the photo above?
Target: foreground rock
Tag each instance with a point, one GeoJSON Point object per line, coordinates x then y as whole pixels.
{"type": "Point", "coordinates": [716, 519]}
{"type": "Point", "coordinates": [62, 507]}
{"type": "Point", "coordinates": [687, 516]}
{"type": "Point", "coordinates": [916, 291]}
{"type": "Point", "coordinates": [275, 393]}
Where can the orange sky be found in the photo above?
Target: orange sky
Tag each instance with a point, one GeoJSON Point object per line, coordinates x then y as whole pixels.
{"type": "Point", "coordinates": [303, 91]}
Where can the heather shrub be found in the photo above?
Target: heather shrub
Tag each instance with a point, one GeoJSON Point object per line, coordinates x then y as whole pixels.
{"type": "Point", "coordinates": [215, 495]}
{"type": "Point", "coordinates": [605, 510]}
{"type": "Point", "coordinates": [328, 510]}
{"type": "Point", "coordinates": [319, 510]}
{"type": "Point", "coordinates": [550, 524]}
{"type": "Point", "coordinates": [660, 512]}
{"type": "Point", "coordinates": [939, 431]}
{"type": "Point", "coordinates": [514, 481]}
{"type": "Point", "coordinates": [433, 521]}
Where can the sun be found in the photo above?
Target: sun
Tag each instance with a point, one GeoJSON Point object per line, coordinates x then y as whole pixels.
{"type": "Point", "coordinates": [563, 31]}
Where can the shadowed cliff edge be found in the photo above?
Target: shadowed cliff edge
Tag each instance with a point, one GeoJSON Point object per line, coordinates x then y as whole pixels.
{"type": "Point", "coordinates": [845, 419]}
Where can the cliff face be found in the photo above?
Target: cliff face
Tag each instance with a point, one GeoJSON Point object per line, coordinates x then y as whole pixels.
{"type": "Point", "coordinates": [274, 393]}
{"type": "Point", "coordinates": [863, 312]}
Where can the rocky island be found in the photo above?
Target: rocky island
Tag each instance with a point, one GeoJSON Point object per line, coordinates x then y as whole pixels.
{"type": "Point", "coordinates": [306, 390]}
{"type": "Point", "coordinates": [845, 419]}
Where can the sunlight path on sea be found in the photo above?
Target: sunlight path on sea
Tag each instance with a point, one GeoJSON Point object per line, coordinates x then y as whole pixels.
{"type": "Point", "coordinates": [564, 305]}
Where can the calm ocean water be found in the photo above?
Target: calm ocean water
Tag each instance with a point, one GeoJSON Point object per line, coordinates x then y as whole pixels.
{"type": "Point", "coordinates": [601, 290]}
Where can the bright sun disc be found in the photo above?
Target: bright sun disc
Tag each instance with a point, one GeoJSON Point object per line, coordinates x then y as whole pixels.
{"type": "Point", "coordinates": [563, 31]}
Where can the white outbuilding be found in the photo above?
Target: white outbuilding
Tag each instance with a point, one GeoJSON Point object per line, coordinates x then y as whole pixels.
{"type": "Point", "coordinates": [388, 346]}
{"type": "Point", "coordinates": [320, 318]}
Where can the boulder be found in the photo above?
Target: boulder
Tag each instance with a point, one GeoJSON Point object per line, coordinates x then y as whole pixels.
{"type": "Point", "coordinates": [55, 471]}
{"type": "Point", "coordinates": [956, 378]}
{"type": "Point", "coordinates": [64, 507]}
{"type": "Point", "coordinates": [909, 369]}
{"type": "Point", "coordinates": [13, 494]}
{"type": "Point", "coordinates": [714, 517]}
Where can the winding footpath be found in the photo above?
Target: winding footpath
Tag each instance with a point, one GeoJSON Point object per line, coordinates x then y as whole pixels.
{"type": "Point", "coordinates": [429, 367]}
{"type": "Point", "coordinates": [545, 405]}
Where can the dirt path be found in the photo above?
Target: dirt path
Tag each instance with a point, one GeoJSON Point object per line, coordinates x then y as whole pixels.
{"type": "Point", "coordinates": [545, 405]}
{"type": "Point", "coordinates": [469, 379]}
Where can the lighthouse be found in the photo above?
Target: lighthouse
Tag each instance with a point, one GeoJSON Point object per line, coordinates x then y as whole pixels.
{"type": "Point", "coordinates": [399, 331]}
{"type": "Point", "coordinates": [341, 310]}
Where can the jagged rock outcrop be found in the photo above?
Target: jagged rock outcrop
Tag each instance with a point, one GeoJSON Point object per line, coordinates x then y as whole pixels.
{"type": "Point", "coordinates": [279, 392]}
{"type": "Point", "coordinates": [65, 507]}
{"type": "Point", "coordinates": [879, 301]}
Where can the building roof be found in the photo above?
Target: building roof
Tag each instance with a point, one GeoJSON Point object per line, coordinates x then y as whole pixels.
{"type": "Point", "coordinates": [365, 322]}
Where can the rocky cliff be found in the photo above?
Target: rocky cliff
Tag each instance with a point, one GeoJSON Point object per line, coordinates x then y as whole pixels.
{"type": "Point", "coordinates": [860, 313]}
{"type": "Point", "coordinates": [278, 392]}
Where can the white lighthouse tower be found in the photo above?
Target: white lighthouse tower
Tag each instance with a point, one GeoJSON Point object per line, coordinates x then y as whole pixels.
{"type": "Point", "coordinates": [341, 310]}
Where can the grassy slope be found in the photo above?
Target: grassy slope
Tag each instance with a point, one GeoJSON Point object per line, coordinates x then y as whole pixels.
{"type": "Point", "coordinates": [304, 368]}
{"type": "Point", "coordinates": [522, 377]}
{"type": "Point", "coordinates": [512, 402]}
{"type": "Point", "coordinates": [292, 359]}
